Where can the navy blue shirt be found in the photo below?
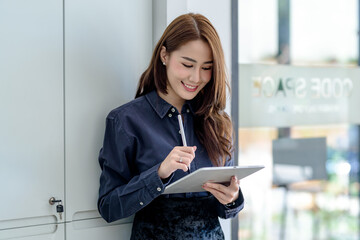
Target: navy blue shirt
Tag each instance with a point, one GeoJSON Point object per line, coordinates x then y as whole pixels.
{"type": "Point", "coordinates": [138, 137]}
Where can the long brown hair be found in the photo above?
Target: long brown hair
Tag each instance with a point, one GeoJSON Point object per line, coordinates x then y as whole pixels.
{"type": "Point", "coordinates": [212, 125]}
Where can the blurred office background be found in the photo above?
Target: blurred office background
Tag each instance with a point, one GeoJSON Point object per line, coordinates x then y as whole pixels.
{"type": "Point", "coordinates": [317, 40]}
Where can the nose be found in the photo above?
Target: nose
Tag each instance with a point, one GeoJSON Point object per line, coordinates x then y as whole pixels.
{"type": "Point", "coordinates": [195, 76]}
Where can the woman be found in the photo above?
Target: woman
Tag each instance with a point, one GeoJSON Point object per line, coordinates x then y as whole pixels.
{"type": "Point", "coordinates": [142, 150]}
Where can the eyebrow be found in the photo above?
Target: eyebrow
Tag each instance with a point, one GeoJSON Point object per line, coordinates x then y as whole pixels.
{"type": "Point", "coordinates": [193, 60]}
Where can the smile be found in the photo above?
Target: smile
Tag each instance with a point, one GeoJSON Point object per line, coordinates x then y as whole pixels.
{"type": "Point", "coordinates": [189, 88]}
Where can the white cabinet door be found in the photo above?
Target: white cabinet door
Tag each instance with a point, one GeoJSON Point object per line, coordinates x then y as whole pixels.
{"type": "Point", "coordinates": [40, 232]}
{"type": "Point", "coordinates": [31, 110]}
{"type": "Point", "coordinates": [108, 44]}
{"type": "Point", "coordinates": [95, 229]}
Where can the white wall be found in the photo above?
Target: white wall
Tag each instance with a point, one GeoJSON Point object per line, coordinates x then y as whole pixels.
{"type": "Point", "coordinates": [63, 66]}
{"type": "Point", "coordinates": [107, 47]}
{"type": "Point", "coordinates": [31, 123]}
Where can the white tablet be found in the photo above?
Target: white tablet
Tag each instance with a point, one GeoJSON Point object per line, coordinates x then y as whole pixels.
{"type": "Point", "coordinates": [194, 181]}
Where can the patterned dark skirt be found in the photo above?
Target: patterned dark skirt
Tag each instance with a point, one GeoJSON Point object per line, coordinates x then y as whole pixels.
{"type": "Point", "coordinates": [178, 218]}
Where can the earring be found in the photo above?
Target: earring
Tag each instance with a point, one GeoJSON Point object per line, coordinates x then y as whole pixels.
{"type": "Point", "coordinates": [164, 63]}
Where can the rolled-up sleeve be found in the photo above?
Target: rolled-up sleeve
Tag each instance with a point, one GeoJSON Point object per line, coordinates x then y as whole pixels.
{"type": "Point", "coordinates": [122, 192]}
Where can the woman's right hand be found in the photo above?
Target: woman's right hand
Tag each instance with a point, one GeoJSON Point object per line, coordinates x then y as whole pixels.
{"type": "Point", "coordinates": [178, 158]}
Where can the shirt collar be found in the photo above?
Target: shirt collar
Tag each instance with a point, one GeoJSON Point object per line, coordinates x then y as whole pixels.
{"type": "Point", "coordinates": [190, 106]}
{"type": "Point", "coordinates": [162, 107]}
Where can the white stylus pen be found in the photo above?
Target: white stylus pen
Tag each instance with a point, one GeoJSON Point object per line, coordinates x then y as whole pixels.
{"type": "Point", "coordinates": [182, 132]}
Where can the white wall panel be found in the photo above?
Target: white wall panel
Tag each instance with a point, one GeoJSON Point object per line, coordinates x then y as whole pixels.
{"type": "Point", "coordinates": [108, 44]}
{"type": "Point", "coordinates": [41, 232]}
{"type": "Point", "coordinates": [95, 229]}
{"type": "Point", "coordinates": [31, 109]}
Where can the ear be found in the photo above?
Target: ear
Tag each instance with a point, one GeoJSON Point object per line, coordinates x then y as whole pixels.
{"type": "Point", "coordinates": [164, 55]}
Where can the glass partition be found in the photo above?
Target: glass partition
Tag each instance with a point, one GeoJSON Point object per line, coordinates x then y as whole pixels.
{"type": "Point", "coordinates": [325, 209]}
{"type": "Point", "coordinates": [301, 121]}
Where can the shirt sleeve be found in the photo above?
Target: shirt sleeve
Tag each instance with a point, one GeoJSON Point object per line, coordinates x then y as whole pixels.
{"type": "Point", "coordinates": [121, 192]}
{"type": "Point", "coordinates": [230, 211]}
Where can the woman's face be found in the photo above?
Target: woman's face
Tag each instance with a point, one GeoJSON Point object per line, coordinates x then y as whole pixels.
{"type": "Point", "coordinates": [188, 69]}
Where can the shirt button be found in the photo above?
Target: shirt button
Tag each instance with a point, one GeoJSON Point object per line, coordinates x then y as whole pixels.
{"type": "Point", "coordinates": [173, 109]}
{"type": "Point", "coordinates": [141, 203]}
{"type": "Point", "coordinates": [159, 189]}
{"type": "Point", "coordinates": [170, 115]}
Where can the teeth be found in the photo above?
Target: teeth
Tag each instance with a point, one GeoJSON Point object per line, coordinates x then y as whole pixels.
{"type": "Point", "coordinates": [189, 86]}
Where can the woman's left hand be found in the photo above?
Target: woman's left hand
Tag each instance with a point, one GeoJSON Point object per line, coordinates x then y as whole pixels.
{"type": "Point", "coordinates": [224, 194]}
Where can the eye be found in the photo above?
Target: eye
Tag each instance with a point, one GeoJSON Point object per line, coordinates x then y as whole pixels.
{"type": "Point", "coordinates": [207, 68]}
{"type": "Point", "coordinates": [187, 66]}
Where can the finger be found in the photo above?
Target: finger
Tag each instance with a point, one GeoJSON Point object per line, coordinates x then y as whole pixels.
{"type": "Point", "coordinates": [194, 147]}
{"type": "Point", "coordinates": [181, 166]}
{"type": "Point", "coordinates": [184, 160]}
{"type": "Point", "coordinates": [179, 163]}
{"type": "Point", "coordinates": [189, 150]}
{"type": "Point", "coordinates": [218, 195]}
{"type": "Point", "coordinates": [185, 155]}
{"type": "Point", "coordinates": [229, 193]}
{"type": "Point", "coordinates": [217, 186]}
{"type": "Point", "coordinates": [234, 184]}
{"type": "Point", "coordinates": [234, 188]}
